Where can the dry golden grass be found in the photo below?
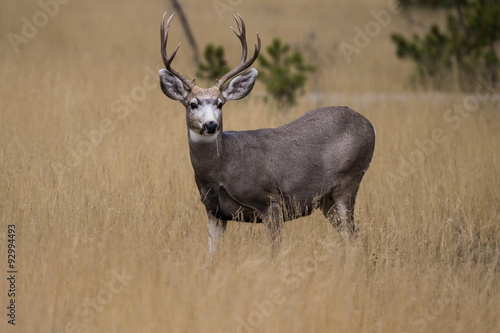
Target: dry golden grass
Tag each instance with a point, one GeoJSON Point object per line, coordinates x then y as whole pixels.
{"type": "Point", "coordinates": [116, 241]}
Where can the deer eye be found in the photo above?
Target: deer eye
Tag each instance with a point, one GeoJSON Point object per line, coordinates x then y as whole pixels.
{"type": "Point", "coordinates": [193, 105]}
{"type": "Point", "coordinates": [219, 106]}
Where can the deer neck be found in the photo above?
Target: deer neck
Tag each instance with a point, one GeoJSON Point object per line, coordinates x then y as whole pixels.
{"type": "Point", "coordinates": [206, 152]}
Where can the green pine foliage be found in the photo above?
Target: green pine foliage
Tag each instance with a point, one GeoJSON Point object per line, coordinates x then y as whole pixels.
{"type": "Point", "coordinates": [466, 50]}
{"type": "Point", "coordinates": [214, 65]}
{"type": "Point", "coordinates": [284, 73]}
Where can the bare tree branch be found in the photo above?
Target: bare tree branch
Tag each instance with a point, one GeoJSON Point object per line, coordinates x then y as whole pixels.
{"type": "Point", "coordinates": [187, 30]}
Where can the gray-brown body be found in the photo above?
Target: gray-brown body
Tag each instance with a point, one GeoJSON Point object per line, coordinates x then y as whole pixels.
{"type": "Point", "coordinates": [319, 157]}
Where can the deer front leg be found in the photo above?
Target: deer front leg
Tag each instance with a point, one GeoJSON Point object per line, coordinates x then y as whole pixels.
{"type": "Point", "coordinates": [216, 228]}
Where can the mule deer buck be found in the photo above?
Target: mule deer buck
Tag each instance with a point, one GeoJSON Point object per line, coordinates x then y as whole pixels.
{"type": "Point", "coordinates": [269, 175]}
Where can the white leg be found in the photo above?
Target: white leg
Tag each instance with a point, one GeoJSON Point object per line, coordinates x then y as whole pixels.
{"type": "Point", "coordinates": [340, 214]}
{"type": "Point", "coordinates": [348, 228]}
{"type": "Point", "coordinates": [216, 228]}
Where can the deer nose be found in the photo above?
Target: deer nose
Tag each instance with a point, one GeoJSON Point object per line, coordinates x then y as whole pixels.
{"type": "Point", "coordinates": [211, 127]}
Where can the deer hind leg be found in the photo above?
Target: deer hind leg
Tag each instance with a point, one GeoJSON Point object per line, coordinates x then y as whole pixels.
{"type": "Point", "coordinates": [216, 228]}
{"type": "Point", "coordinates": [340, 214]}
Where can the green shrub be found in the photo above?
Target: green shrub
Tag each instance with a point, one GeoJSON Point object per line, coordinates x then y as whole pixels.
{"type": "Point", "coordinates": [283, 72]}
{"type": "Point", "coordinates": [214, 66]}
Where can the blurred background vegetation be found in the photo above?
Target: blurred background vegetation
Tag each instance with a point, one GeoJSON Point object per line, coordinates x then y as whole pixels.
{"type": "Point", "coordinates": [464, 50]}
{"type": "Point", "coordinates": [459, 47]}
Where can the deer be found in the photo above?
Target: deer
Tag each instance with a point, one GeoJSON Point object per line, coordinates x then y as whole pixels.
{"type": "Point", "coordinates": [269, 175]}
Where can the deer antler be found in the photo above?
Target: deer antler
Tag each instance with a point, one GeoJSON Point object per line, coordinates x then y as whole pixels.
{"type": "Point", "coordinates": [166, 60]}
{"type": "Point", "coordinates": [243, 65]}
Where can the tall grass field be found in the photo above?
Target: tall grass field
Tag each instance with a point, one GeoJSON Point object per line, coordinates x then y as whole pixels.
{"type": "Point", "coordinates": [99, 206]}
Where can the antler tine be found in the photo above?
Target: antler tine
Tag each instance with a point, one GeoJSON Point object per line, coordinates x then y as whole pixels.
{"type": "Point", "coordinates": [243, 65]}
{"type": "Point", "coordinates": [166, 60]}
{"type": "Point", "coordinates": [241, 36]}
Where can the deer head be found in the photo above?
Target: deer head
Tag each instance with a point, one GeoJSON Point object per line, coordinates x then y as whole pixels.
{"type": "Point", "coordinates": [204, 106]}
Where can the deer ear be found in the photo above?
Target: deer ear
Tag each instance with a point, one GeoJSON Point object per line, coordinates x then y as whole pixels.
{"type": "Point", "coordinates": [240, 86]}
{"type": "Point", "coordinates": [172, 86]}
